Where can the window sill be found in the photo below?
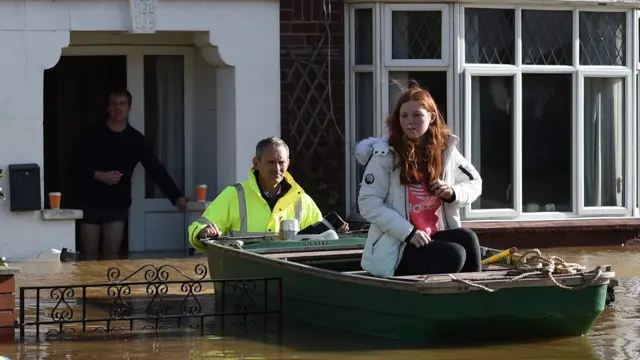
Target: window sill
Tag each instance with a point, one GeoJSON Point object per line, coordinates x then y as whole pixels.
{"type": "Point", "coordinates": [553, 225]}
{"type": "Point", "coordinates": [198, 205]}
{"type": "Point", "coordinates": [61, 214]}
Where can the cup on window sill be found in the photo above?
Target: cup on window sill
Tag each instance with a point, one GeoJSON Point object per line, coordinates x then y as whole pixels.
{"type": "Point", "coordinates": [201, 192]}
{"type": "Point", "coordinates": [54, 200]}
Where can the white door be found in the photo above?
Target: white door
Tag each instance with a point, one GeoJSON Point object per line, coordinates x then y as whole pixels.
{"type": "Point", "coordinates": [159, 79]}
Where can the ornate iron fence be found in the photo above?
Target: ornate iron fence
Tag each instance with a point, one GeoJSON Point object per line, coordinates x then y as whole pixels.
{"type": "Point", "coordinates": [122, 306]}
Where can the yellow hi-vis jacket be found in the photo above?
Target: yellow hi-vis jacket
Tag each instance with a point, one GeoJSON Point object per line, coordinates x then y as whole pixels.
{"type": "Point", "coordinates": [240, 210]}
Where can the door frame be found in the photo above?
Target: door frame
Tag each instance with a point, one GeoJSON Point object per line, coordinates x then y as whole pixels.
{"type": "Point", "coordinates": [135, 84]}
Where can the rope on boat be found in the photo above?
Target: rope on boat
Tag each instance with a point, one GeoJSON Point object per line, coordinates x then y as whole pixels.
{"type": "Point", "coordinates": [532, 263]}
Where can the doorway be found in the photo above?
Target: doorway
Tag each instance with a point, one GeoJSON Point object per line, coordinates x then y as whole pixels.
{"type": "Point", "coordinates": [76, 94]}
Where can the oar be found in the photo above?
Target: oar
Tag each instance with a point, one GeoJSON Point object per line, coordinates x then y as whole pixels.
{"type": "Point", "coordinates": [500, 256]}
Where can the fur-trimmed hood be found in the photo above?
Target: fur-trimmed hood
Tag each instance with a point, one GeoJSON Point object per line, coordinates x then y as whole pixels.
{"type": "Point", "coordinates": [365, 148]}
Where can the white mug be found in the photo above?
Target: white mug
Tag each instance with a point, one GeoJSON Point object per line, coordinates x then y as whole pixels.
{"type": "Point", "coordinates": [290, 228]}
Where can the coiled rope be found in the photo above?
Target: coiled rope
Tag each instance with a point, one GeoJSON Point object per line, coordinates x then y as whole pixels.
{"type": "Point", "coordinates": [532, 263]}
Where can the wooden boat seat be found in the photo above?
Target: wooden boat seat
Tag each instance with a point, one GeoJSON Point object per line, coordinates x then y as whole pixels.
{"type": "Point", "coordinates": [492, 268]}
{"type": "Point", "coordinates": [313, 254]}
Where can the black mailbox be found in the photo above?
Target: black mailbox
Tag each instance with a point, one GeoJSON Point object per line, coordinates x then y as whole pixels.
{"type": "Point", "coordinates": [24, 187]}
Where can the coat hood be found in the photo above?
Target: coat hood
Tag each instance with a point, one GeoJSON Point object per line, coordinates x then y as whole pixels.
{"type": "Point", "coordinates": [365, 148]}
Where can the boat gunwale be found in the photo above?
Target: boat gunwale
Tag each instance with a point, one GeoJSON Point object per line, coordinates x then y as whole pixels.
{"type": "Point", "coordinates": [452, 286]}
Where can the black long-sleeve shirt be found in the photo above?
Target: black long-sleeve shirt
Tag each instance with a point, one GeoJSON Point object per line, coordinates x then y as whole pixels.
{"type": "Point", "coordinates": [101, 149]}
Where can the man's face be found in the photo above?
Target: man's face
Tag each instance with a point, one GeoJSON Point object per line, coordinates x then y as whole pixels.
{"type": "Point", "coordinates": [272, 165]}
{"type": "Point", "coordinates": [118, 108]}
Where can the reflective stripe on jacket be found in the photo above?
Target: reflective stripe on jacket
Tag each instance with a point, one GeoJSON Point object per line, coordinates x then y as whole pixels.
{"type": "Point", "coordinates": [240, 210]}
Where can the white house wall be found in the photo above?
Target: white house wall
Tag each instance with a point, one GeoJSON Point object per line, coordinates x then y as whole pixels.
{"type": "Point", "coordinates": [205, 125]}
{"type": "Point", "coordinates": [240, 37]}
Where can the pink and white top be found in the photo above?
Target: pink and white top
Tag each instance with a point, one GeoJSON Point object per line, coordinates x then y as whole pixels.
{"type": "Point", "coordinates": [425, 208]}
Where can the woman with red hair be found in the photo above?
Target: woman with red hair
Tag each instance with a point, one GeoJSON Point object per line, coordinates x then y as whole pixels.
{"type": "Point", "coordinates": [415, 182]}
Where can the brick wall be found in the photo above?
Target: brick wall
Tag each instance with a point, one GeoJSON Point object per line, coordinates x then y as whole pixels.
{"type": "Point", "coordinates": [312, 116]}
{"type": "Point", "coordinates": [7, 306]}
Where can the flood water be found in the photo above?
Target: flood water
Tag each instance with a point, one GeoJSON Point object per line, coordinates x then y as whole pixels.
{"type": "Point", "coordinates": [616, 335]}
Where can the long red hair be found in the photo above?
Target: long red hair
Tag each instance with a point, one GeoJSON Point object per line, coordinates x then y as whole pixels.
{"type": "Point", "coordinates": [420, 159]}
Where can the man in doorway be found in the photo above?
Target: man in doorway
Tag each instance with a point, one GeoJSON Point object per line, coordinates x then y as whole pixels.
{"type": "Point", "coordinates": [269, 195]}
{"type": "Point", "coordinates": [105, 158]}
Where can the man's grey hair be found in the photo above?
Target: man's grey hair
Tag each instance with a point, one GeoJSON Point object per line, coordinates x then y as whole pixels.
{"type": "Point", "coordinates": [268, 142]}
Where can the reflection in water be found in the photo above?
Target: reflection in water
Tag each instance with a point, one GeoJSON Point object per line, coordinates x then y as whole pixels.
{"type": "Point", "coordinates": [615, 336]}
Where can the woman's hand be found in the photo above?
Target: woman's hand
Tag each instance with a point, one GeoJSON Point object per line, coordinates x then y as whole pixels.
{"type": "Point", "coordinates": [441, 189]}
{"type": "Point", "coordinates": [420, 239]}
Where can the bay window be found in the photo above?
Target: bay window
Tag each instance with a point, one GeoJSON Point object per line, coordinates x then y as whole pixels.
{"type": "Point", "coordinates": [540, 97]}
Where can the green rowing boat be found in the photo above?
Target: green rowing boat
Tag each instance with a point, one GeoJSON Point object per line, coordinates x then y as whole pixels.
{"type": "Point", "coordinates": [323, 284]}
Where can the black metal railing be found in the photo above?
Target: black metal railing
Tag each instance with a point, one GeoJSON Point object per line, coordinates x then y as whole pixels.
{"type": "Point", "coordinates": [155, 302]}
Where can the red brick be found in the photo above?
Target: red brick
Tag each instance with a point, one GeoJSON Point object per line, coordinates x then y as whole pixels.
{"type": "Point", "coordinates": [297, 10]}
{"type": "Point", "coordinates": [6, 318]}
{"type": "Point", "coordinates": [292, 39]}
{"type": "Point", "coordinates": [304, 28]}
{"type": "Point", "coordinates": [7, 284]}
{"type": "Point", "coordinates": [306, 10]}
{"type": "Point", "coordinates": [286, 4]}
{"type": "Point", "coordinates": [7, 302]}
{"type": "Point", "coordinates": [286, 15]}
{"type": "Point", "coordinates": [312, 40]}
{"type": "Point", "coordinates": [7, 335]}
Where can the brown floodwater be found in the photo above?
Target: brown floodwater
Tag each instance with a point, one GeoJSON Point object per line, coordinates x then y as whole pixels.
{"type": "Point", "coordinates": [616, 335]}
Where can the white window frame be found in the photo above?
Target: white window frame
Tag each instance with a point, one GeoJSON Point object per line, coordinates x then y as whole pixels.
{"type": "Point", "coordinates": [350, 88]}
{"type": "Point", "coordinates": [445, 40]}
{"type": "Point", "coordinates": [486, 214]}
{"type": "Point", "coordinates": [382, 65]}
{"type": "Point", "coordinates": [628, 185]}
{"type": "Point", "coordinates": [635, 128]}
{"type": "Point", "coordinates": [517, 70]}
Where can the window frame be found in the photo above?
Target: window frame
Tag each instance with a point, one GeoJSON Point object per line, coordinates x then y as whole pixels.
{"type": "Point", "coordinates": [459, 75]}
{"type": "Point", "coordinates": [351, 69]}
{"type": "Point", "coordinates": [579, 143]}
{"type": "Point", "coordinates": [387, 26]}
{"type": "Point", "coordinates": [506, 71]}
{"type": "Point", "coordinates": [381, 67]}
{"type": "Point", "coordinates": [635, 128]}
{"type": "Point", "coordinates": [471, 69]}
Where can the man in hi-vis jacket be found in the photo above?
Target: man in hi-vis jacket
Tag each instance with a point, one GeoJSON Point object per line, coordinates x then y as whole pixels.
{"type": "Point", "coordinates": [256, 206]}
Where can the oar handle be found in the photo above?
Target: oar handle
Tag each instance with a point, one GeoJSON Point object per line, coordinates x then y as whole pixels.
{"type": "Point", "coordinates": [500, 256]}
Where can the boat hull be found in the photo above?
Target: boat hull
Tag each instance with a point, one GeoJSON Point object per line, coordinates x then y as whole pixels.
{"type": "Point", "coordinates": [383, 309]}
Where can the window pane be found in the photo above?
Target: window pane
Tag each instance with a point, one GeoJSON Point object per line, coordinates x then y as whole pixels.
{"type": "Point", "coordinates": [603, 38]}
{"type": "Point", "coordinates": [492, 140]}
{"type": "Point", "coordinates": [364, 36]}
{"type": "Point", "coordinates": [416, 34]}
{"type": "Point", "coordinates": [164, 116]}
{"type": "Point", "coordinates": [604, 115]}
{"type": "Point", "coordinates": [433, 81]}
{"type": "Point", "coordinates": [547, 37]}
{"type": "Point", "coordinates": [546, 142]}
{"type": "Point", "coordinates": [364, 116]}
{"type": "Point", "coordinates": [489, 36]}
{"type": "Point", "coordinates": [364, 111]}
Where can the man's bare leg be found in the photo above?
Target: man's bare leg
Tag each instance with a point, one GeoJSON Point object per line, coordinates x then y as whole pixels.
{"type": "Point", "coordinates": [90, 241]}
{"type": "Point", "coordinates": [112, 234]}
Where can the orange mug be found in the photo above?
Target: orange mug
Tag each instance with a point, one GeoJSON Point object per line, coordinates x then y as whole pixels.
{"type": "Point", "coordinates": [54, 200]}
{"type": "Point", "coordinates": [201, 192]}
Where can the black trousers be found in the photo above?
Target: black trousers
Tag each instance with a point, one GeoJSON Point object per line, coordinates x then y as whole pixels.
{"type": "Point", "coordinates": [451, 251]}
